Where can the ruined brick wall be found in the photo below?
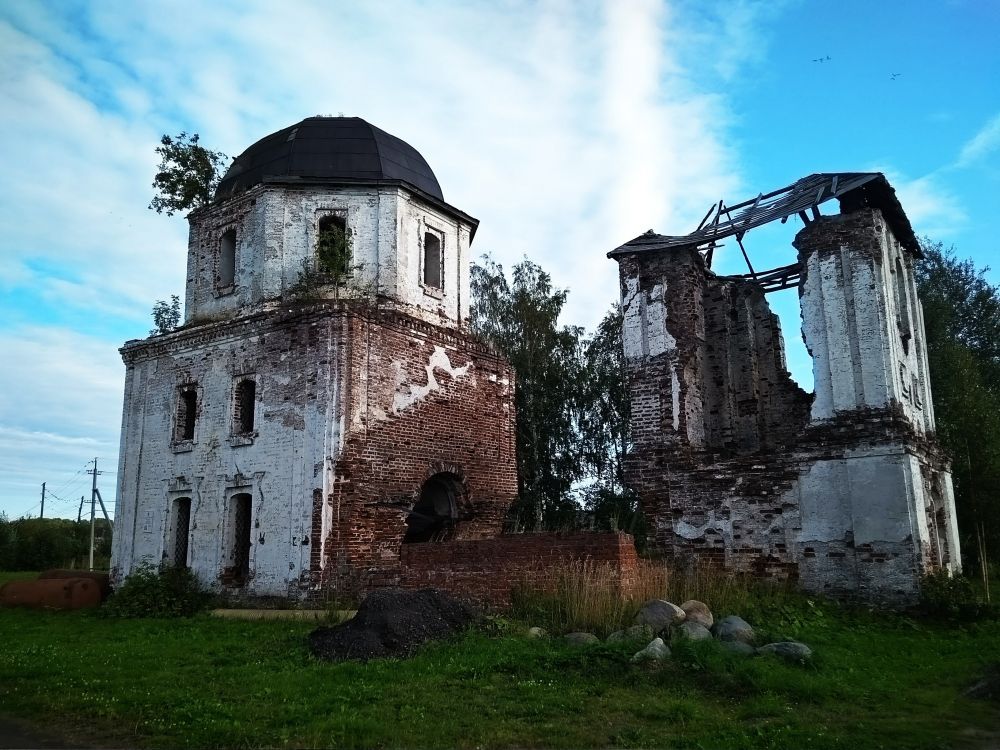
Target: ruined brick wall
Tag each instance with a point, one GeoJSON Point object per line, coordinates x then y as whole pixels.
{"type": "Point", "coordinates": [487, 570]}
{"type": "Point", "coordinates": [709, 391]}
{"type": "Point", "coordinates": [845, 489]}
{"type": "Point", "coordinates": [423, 401]}
{"type": "Point", "coordinates": [355, 409]}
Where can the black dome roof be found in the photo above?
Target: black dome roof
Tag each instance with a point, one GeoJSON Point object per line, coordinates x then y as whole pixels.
{"type": "Point", "coordinates": [329, 148]}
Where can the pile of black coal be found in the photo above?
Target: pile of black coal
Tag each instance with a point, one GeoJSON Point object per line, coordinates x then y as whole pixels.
{"type": "Point", "coordinates": [393, 622]}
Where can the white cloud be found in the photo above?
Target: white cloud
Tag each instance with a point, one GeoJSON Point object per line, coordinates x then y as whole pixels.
{"type": "Point", "coordinates": [932, 208]}
{"type": "Point", "coordinates": [565, 129]}
{"type": "Point", "coordinates": [60, 405]}
{"type": "Point", "coordinates": [981, 144]}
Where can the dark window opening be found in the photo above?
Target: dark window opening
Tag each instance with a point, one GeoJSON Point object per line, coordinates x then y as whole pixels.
{"type": "Point", "coordinates": [432, 260]}
{"type": "Point", "coordinates": [227, 258]}
{"type": "Point", "coordinates": [433, 516]}
{"type": "Point", "coordinates": [187, 413]}
{"type": "Point", "coordinates": [902, 308]}
{"type": "Point", "coordinates": [333, 247]}
{"type": "Point", "coordinates": [181, 531]}
{"type": "Point", "coordinates": [239, 539]}
{"type": "Point", "coordinates": [243, 408]}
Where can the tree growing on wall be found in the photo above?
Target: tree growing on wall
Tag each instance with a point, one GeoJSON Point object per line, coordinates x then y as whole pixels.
{"type": "Point", "coordinates": [962, 322]}
{"type": "Point", "coordinates": [166, 315]}
{"type": "Point", "coordinates": [188, 174]}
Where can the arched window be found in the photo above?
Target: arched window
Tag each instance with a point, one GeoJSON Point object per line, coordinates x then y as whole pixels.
{"type": "Point", "coordinates": [227, 259]}
{"type": "Point", "coordinates": [432, 260]}
{"type": "Point", "coordinates": [180, 532]}
{"type": "Point", "coordinates": [238, 543]}
{"type": "Point", "coordinates": [244, 403]}
{"type": "Point", "coordinates": [436, 510]}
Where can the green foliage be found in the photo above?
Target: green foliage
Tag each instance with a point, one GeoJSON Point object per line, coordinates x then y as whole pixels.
{"type": "Point", "coordinates": [187, 176]}
{"type": "Point", "coordinates": [954, 597]}
{"type": "Point", "coordinates": [166, 316]}
{"type": "Point", "coordinates": [962, 322]}
{"type": "Point", "coordinates": [519, 318]}
{"type": "Point", "coordinates": [333, 250]}
{"type": "Point", "coordinates": [43, 543]}
{"type": "Point", "coordinates": [170, 591]}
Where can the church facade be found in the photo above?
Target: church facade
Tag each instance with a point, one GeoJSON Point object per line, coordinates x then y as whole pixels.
{"type": "Point", "coordinates": [323, 404]}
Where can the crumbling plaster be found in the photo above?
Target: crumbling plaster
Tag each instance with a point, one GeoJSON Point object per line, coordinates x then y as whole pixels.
{"type": "Point", "coordinates": [734, 464]}
{"type": "Point", "coordinates": [276, 230]}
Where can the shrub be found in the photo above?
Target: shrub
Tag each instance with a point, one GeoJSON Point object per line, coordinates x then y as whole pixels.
{"type": "Point", "coordinates": [953, 597]}
{"type": "Point", "coordinates": [168, 592]}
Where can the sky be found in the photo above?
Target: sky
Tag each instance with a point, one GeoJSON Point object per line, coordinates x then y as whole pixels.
{"type": "Point", "coordinates": [566, 128]}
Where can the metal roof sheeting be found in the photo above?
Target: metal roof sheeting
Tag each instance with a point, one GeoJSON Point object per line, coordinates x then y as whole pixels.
{"type": "Point", "coordinates": [853, 189]}
{"type": "Point", "coordinates": [330, 148]}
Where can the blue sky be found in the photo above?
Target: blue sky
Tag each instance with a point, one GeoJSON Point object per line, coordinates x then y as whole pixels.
{"type": "Point", "coordinates": [567, 128]}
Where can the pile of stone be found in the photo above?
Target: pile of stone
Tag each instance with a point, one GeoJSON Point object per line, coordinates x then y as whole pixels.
{"type": "Point", "coordinates": [659, 622]}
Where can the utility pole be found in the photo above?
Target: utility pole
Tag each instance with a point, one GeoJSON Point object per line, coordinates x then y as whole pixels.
{"type": "Point", "coordinates": [42, 512]}
{"type": "Point", "coordinates": [79, 511]}
{"type": "Point", "coordinates": [93, 503]}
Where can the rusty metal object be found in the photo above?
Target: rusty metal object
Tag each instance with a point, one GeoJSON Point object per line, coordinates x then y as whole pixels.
{"type": "Point", "coordinates": [102, 579]}
{"type": "Point", "coordinates": [52, 593]}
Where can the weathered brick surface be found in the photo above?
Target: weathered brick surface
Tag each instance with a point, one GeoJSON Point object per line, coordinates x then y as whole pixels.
{"type": "Point", "coordinates": [487, 569]}
{"type": "Point", "coordinates": [844, 489]}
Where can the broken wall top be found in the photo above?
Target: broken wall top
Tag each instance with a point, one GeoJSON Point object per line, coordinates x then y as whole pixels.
{"type": "Point", "coordinates": [854, 190]}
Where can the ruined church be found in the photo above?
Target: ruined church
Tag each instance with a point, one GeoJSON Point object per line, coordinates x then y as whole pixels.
{"type": "Point", "coordinates": [290, 435]}
{"type": "Point", "coordinates": [329, 425]}
{"type": "Point", "coordinates": [845, 489]}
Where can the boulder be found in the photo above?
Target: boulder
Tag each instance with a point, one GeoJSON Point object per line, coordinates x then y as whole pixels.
{"type": "Point", "coordinates": [790, 650]}
{"type": "Point", "coordinates": [632, 633]}
{"type": "Point", "coordinates": [733, 628]}
{"type": "Point", "coordinates": [393, 622]}
{"type": "Point", "coordinates": [537, 632]}
{"type": "Point", "coordinates": [581, 639]}
{"type": "Point", "coordinates": [698, 612]}
{"type": "Point", "coordinates": [738, 647]}
{"type": "Point", "coordinates": [659, 615]}
{"type": "Point", "coordinates": [692, 631]}
{"type": "Point", "coordinates": [656, 651]}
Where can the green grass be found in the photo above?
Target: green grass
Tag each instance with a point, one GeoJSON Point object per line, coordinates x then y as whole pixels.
{"type": "Point", "coordinates": [204, 682]}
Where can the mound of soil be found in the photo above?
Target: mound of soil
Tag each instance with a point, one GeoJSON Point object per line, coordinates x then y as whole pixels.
{"type": "Point", "coordinates": [393, 622]}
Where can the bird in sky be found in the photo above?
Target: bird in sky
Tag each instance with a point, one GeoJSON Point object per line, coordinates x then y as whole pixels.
{"type": "Point", "coordinates": [822, 59]}
{"type": "Point", "coordinates": [894, 76]}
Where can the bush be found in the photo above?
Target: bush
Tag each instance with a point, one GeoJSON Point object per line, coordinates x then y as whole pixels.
{"type": "Point", "coordinates": [167, 592]}
{"type": "Point", "coordinates": [953, 597]}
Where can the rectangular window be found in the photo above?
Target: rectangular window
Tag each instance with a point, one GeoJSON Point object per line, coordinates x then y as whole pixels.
{"type": "Point", "coordinates": [187, 413]}
{"type": "Point", "coordinates": [244, 403]}
{"type": "Point", "coordinates": [432, 260]}
{"type": "Point", "coordinates": [226, 268]}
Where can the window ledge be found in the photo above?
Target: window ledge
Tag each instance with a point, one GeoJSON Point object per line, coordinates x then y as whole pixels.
{"type": "Point", "coordinates": [182, 446]}
{"type": "Point", "coordinates": [224, 291]}
{"type": "Point", "coordinates": [242, 439]}
{"type": "Point", "coordinates": [433, 291]}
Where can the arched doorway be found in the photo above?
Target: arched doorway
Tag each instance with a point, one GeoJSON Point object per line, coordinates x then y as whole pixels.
{"type": "Point", "coordinates": [433, 516]}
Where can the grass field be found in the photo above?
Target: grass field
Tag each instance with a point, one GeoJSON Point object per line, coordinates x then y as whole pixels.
{"type": "Point", "coordinates": [877, 681]}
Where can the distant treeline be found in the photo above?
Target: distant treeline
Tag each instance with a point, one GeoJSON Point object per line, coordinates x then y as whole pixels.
{"type": "Point", "coordinates": [43, 543]}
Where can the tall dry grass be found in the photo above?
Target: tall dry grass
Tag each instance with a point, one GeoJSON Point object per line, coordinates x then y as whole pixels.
{"type": "Point", "coordinates": [588, 596]}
